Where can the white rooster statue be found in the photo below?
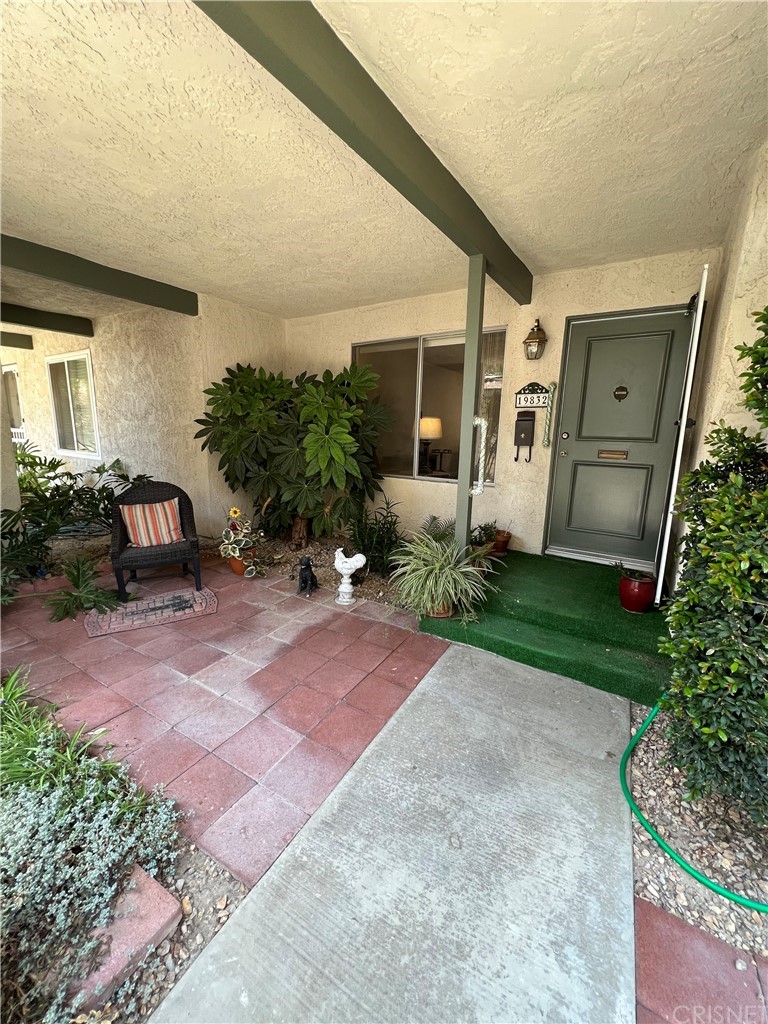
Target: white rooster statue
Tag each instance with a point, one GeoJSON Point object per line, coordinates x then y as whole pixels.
{"type": "Point", "coordinates": [345, 567]}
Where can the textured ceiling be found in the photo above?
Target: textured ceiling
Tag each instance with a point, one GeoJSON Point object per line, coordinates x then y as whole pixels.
{"type": "Point", "coordinates": [587, 132]}
{"type": "Point", "coordinates": [140, 136]}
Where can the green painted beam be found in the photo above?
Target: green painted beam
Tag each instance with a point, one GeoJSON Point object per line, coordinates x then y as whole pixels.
{"type": "Point", "coordinates": [12, 340]}
{"type": "Point", "coordinates": [56, 265]}
{"type": "Point", "coordinates": [472, 356]}
{"type": "Point", "coordinates": [295, 44]}
{"type": "Point", "coordinates": [44, 320]}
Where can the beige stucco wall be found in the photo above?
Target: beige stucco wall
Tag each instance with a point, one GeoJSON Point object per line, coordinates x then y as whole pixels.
{"type": "Point", "coordinates": [518, 499]}
{"type": "Point", "coordinates": [150, 367]}
{"type": "Point", "coordinates": [149, 371]}
{"type": "Point", "coordinates": [743, 290]}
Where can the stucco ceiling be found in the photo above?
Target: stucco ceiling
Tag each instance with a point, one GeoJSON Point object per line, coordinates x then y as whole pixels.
{"type": "Point", "coordinates": [140, 136]}
{"type": "Point", "coordinates": [587, 132]}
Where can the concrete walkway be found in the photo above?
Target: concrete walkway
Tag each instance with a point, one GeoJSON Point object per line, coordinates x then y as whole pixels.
{"type": "Point", "coordinates": [473, 866]}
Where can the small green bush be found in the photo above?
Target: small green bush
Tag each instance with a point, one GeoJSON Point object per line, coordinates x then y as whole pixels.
{"type": "Point", "coordinates": [376, 533]}
{"type": "Point", "coordinates": [718, 618]}
{"type": "Point", "coordinates": [52, 499]}
{"type": "Point", "coordinates": [484, 533]}
{"type": "Point", "coordinates": [72, 827]}
{"type": "Point", "coordinates": [439, 528]}
{"type": "Point", "coordinates": [85, 593]}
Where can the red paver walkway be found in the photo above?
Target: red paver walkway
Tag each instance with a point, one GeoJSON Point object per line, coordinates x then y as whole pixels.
{"type": "Point", "coordinates": [249, 717]}
{"type": "Point", "coordinates": [687, 976]}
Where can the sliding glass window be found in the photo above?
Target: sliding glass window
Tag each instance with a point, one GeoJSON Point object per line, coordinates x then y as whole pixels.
{"type": "Point", "coordinates": [420, 381]}
{"type": "Point", "coordinates": [74, 411]}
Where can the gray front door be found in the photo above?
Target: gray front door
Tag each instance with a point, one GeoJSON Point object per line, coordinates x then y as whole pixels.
{"type": "Point", "coordinates": [616, 435]}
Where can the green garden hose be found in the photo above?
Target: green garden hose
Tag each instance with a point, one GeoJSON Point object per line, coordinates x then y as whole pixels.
{"type": "Point", "coordinates": [735, 897]}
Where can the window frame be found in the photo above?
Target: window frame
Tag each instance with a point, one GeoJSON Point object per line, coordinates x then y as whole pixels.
{"type": "Point", "coordinates": [421, 339]}
{"type": "Point", "coordinates": [64, 358]}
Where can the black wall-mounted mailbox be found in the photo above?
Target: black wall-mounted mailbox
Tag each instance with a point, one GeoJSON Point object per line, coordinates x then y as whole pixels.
{"type": "Point", "coordinates": [524, 426]}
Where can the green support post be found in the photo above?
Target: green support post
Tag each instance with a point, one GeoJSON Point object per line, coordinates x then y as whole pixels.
{"type": "Point", "coordinates": [472, 355]}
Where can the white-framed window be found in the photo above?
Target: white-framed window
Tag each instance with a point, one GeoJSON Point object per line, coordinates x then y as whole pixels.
{"type": "Point", "coordinates": [70, 378]}
{"type": "Point", "coordinates": [12, 399]}
{"type": "Point", "coordinates": [420, 382]}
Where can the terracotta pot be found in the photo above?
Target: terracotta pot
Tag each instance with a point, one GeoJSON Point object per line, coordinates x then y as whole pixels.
{"type": "Point", "coordinates": [444, 612]}
{"type": "Point", "coordinates": [477, 564]}
{"type": "Point", "coordinates": [501, 542]}
{"type": "Point", "coordinates": [237, 565]}
{"type": "Point", "coordinates": [636, 596]}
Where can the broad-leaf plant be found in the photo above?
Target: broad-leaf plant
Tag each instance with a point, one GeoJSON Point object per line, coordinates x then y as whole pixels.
{"type": "Point", "coordinates": [718, 618]}
{"type": "Point", "coordinates": [302, 448]}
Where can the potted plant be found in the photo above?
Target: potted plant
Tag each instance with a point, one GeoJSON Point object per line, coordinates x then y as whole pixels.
{"type": "Point", "coordinates": [637, 589]}
{"type": "Point", "coordinates": [483, 534]}
{"type": "Point", "coordinates": [439, 577]}
{"type": "Point", "coordinates": [501, 539]}
{"type": "Point", "coordinates": [237, 546]}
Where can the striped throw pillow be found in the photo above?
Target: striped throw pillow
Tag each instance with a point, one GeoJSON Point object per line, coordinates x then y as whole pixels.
{"type": "Point", "coordinates": [150, 525]}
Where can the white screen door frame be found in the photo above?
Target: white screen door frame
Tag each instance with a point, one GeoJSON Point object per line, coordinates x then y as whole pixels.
{"type": "Point", "coordinates": [665, 537]}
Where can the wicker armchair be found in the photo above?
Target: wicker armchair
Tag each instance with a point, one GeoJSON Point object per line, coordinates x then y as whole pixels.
{"type": "Point", "coordinates": [130, 558]}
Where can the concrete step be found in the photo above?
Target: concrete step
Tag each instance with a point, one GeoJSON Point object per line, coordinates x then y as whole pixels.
{"type": "Point", "coordinates": [145, 914]}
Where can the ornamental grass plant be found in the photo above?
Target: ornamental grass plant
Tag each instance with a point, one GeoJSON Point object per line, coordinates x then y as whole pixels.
{"type": "Point", "coordinates": [433, 574]}
{"type": "Point", "coordinates": [72, 828]}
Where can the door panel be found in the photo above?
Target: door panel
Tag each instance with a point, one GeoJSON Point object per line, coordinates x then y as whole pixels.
{"type": "Point", "coordinates": [617, 431]}
{"type": "Point", "coordinates": [637, 363]}
{"type": "Point", "coordinates": [599, 506]}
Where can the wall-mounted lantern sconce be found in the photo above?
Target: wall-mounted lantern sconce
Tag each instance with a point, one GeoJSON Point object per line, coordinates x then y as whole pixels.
{"type": "Point", "coordinates": [535, 342]}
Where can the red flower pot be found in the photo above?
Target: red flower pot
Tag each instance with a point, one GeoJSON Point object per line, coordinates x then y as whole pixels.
{"type": "Point", "coordinates": [445, 611]}
{"type": "Point", "coordinates": [636, 596]}
{"type": "Point", "coordinates": [501, 543]}
{"type": "Point", "coordinates": [237, 565]}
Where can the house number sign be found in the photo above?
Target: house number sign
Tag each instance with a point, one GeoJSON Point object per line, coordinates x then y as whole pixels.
{"type": "Point", "coordinates": [532, 396]}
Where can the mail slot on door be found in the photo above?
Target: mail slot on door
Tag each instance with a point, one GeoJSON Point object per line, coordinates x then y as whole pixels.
{"type": "Point", "coordinates": [615, 456]}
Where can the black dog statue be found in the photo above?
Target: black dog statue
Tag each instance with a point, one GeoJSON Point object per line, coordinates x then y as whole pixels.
{"type": "Point", "coordinates": [307, 578]}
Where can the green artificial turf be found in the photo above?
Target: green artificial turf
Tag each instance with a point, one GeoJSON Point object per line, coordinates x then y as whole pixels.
{"type": "Point", "coordinates": [564, 616]}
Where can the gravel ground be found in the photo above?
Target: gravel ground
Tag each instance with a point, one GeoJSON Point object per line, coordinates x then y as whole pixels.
{"type": "Point", "coordinates": [209, 895]}
{"type": "Point", "coordinates": [276, 554]}
{"type": "Point", "coordinates": [322, 551]}
{"type": "Point", "coordinates": [717, 838]}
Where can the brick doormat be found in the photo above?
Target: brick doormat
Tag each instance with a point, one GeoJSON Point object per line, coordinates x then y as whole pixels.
{"type": "Point", "coordinates": [152, 611]}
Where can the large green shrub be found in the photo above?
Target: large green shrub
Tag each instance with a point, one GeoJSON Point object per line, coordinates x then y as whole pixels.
{"type": "Point", "coordinates": [301, 448]}
{"type": "Point", "coordinates": [718, 619]}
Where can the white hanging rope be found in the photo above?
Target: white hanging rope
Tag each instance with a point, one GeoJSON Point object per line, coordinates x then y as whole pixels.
{"type": "Point", "coordinates": [548, 418]}
{"type": "Point", "coordinates": [479, 421]}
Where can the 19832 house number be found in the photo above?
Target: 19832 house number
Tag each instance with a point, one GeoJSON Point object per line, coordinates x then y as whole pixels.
{"type": "Point", "coordinates": [531, 401]}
